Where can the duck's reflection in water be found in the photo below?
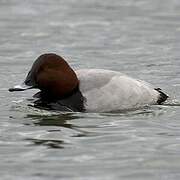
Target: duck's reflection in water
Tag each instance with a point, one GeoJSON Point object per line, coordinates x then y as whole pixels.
{"type": "Point", "coordinates": [55, 144]}
{"type": "Point", "coordinates": [60, 123]}
{"type": "Point", "coordinates": [61, 120]}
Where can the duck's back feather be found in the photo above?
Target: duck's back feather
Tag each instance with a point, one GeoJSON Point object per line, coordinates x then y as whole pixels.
{"type": "Point", "coordinates": [107, 90]}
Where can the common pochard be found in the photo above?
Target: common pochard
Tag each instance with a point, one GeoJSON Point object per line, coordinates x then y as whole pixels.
{"type": "Point", "coordinates": [90, 90]}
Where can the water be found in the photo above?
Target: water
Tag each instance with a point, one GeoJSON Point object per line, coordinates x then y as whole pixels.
{"type": "Point", "coordinates": [140, 38]}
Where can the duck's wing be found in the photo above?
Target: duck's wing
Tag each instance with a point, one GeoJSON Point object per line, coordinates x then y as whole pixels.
{"type": "Point", "coordinates": [110, 91]}
{"type": "Point", "coordinates": [95, 78]}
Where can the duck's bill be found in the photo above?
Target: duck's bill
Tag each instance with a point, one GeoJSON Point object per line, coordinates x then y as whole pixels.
{"type": "Point", "coordinates": [22, 87]}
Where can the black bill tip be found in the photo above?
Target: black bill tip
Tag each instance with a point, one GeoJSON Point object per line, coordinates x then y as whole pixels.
{"type": "Point", "coordinates": [15, 89]}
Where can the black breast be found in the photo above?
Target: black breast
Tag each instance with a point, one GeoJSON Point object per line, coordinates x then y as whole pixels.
{"type": "Point", "coordinates": [73, 102]}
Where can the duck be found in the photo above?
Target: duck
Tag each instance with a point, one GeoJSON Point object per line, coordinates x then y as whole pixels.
{"type": "Point", "coordinates": [85, 90]}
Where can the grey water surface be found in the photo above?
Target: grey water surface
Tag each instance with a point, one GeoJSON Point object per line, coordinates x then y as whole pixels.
{"type": "Point", "coordinates": [138, 37]}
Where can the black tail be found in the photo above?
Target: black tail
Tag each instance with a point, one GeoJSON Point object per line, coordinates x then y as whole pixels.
{"type": "Point", "coordinates": [162, 96]}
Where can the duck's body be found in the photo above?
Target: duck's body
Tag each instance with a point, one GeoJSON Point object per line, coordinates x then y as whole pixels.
{"type": "Point", "coordinates": [106, 90]}
{"type": "Point", "coordinates": [90, 90]}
